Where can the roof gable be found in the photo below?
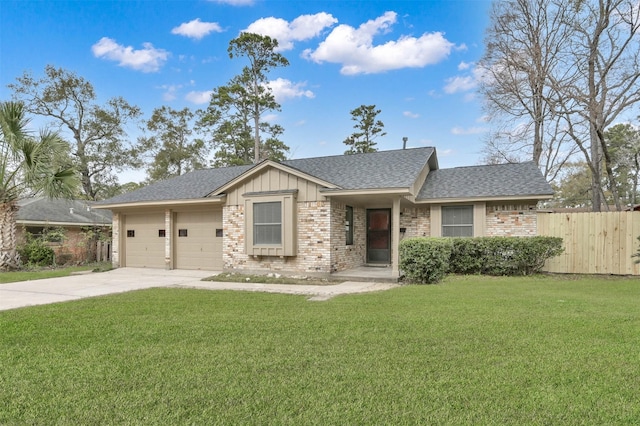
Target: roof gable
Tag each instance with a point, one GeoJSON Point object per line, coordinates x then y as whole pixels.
{"type": "Point", "coordinates": [499, 180]}
{"type": "Point", "coordinates": [261, 167]}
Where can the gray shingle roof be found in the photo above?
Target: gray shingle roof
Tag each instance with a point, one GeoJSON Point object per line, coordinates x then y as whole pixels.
{"type": "Point", "coordinates": [61, 211]}
{"type": "Point", "coordinates": [383, 169]}
{"type": "Point", "coordinates": [498, 180]}
{"type": "Point", "coordinates": [196, 184]}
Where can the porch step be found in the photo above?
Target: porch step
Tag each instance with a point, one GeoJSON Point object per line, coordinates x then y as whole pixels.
{"type": "Point", "coordinates": [367, 273]}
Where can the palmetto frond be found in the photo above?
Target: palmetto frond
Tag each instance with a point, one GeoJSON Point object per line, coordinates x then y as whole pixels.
{"type": "Point", "coordinates": [27, 163]}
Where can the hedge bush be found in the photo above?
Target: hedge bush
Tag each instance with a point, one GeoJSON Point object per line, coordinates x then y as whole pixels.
{"type": "Point", "coordinates": [425, 260]}
{"type": "Point", "coordinates": [35, 252]}
{"type": "Point", "coordinates": [503, 255]}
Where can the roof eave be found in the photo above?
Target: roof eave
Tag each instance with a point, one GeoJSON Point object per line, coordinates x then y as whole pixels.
{"type": "Point", "coordinates": [483, 198]}
{"type": "Point", "coordinates": [55, 223]}
{"type": "Point", "coordinates": [368, 191]}
{"type": "Point", "coordinates": [218, 199]}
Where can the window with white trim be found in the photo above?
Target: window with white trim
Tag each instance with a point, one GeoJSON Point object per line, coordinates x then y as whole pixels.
{"type": "Point", "coordinates": [267, 223]}
{"type": "Point", "coordinates": [457, 221]}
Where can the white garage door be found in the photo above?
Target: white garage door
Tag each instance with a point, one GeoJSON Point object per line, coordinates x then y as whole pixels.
{"type": "Point", "coordinates": [198, 240]}
{"type": "Point", "coordinates": [144, 243]}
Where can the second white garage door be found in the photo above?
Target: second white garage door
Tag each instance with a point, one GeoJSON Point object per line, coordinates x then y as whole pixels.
{"type": "Point", "coordinates": [198, 240]}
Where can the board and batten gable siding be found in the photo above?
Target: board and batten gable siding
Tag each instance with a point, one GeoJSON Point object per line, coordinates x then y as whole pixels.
{"type": "Point", "coordinates": [272, 179]}
{"type": "Point", "coordinates": [310, 250]}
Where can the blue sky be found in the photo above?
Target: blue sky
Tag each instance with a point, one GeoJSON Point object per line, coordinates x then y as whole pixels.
{"type": "Point", "coordinates": [413, 59]}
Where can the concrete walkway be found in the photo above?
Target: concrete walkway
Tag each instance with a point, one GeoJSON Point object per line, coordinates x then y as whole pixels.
{"type": "Point", "coordinates": [52, 290]}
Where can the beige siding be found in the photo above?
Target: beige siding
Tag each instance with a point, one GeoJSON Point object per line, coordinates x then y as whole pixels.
{"type": "Point", "coordinates": [146, 248]}
{"type": "Point", "coordinates": [272, 179]}
{"type": "Point", "coordinates": [201, 248]}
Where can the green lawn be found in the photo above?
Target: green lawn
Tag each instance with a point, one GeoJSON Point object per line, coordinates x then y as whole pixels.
{"type": "Point", "coordinates": [472, 350]}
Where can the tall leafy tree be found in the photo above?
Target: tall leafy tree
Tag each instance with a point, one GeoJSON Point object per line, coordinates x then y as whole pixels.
{"type": "Point", "coordinates": [100, 147]}
{"type": "Point", "coordinates": [368, 127]}
{"type": "Point", "coordinates": [174, 151]}
{"type": "Point", "coordinates": [29, 165]}
{"type": "Point", "coordinates": [235, 117]}
{"type": "Point", "coordinates": [573, 187]}
{"type": "Point", "coordinates": [624, 145]}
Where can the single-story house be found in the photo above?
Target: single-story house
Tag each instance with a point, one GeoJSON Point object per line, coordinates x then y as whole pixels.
{"type": "Point", "coordinates": [319, 215]}
{"type": "Point", "coordinates": [75, 217]}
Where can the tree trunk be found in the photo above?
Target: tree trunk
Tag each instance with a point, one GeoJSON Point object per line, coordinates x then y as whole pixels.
{"type": "Point", "coordinates": [596, 183]}
{"type": "Point", "coordinates": [9, 257]}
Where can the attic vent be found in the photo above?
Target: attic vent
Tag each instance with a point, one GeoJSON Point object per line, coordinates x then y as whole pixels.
{"type": "Point", "coordinates": [71, 210]}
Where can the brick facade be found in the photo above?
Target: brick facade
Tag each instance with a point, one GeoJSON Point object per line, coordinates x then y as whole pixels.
{"type": "Point", "coordinates": [345, 256]}
{"type": "Point", "coordinates": [321, 237]}
{"type": "Point", "coordinates": [505, 220]}
{"type": "Point", "coordinates": [416, 221]}
{"type": "Point", "coordinates": [313, 238]}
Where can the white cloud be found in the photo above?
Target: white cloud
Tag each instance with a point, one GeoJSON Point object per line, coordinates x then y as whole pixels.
{"type": "Point", "coordinates": [410, 114]}
{"type": "Point", "coordinates": [304, 27]}
{"type": "Point", "coordinates": [284, 89]}
{"type": "Point", "coordinates": [464, 66]}
{"type": "Point", "coordinates": [460, 84]}
{"type": "Point", "coordinates": [196, 29]}
{"type": "Point", "coordinates": [468, 131]}
{"type": "Point", "coordinates": [354, 48]}
{"type": "Point", "coordinates": [234, 2]}
{"type": "Point", "coordinates": [199, 98]}
{"type": "Point", "coordinates": [147, 59]}
{"type": "Point", "coordinates": [170, 91]}
{"type": "Point", "coordinates": [465, 83]}
{"type": "Point", "coordinates": [270, 118]}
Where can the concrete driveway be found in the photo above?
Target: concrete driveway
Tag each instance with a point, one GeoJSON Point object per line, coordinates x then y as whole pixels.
{"type": "Point", "coordinates": [53, 290]}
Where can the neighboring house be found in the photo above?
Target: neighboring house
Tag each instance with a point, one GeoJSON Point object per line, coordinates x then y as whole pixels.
{"type": "Point", "coordinates": [319, 215]}
{"type": "Point", "coordinates": [634, 208]}
{"type": "Point", "coordinates": [74, 217]}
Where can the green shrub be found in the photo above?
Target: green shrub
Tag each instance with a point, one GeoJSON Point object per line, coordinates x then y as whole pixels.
{"type": "Point", "coordinates": [425, 260]}
{"type": "Point", "coordinates": [638, 253]}
{"type": "Point", "coordinates": [503, 255]}
{"type": "Point", "coordinates": [35, 252]}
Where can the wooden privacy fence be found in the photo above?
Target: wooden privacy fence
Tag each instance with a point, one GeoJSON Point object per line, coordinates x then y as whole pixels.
{"type": "Point", "coordinates": [595, 243]}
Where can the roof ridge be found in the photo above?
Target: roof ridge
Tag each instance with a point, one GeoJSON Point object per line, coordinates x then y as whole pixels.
{"type": "Point", "coordinates": [487, 165]}
{"type": "Point", "coordinates": [357, 154]}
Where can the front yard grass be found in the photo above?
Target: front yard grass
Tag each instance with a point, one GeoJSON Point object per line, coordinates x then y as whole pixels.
{"type": "Point", "coordinates": [472, 350]}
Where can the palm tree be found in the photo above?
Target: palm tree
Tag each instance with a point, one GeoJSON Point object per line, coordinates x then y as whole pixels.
{"type": "Point", "coordinates": [28, 166]}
